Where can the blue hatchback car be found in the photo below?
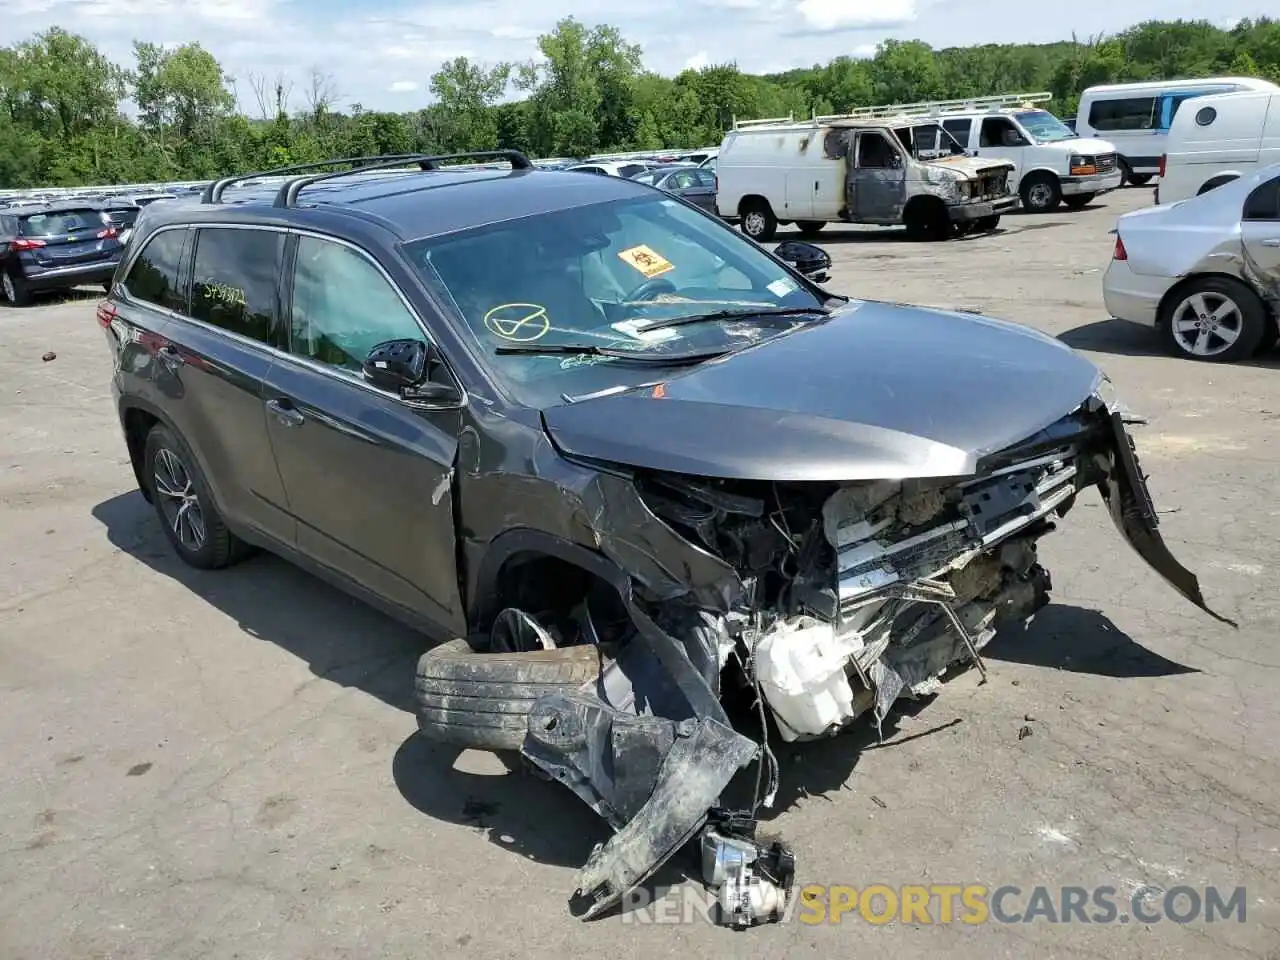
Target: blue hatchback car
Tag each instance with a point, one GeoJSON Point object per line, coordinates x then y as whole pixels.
{"type": "Point", "coordinates": [54, 248]}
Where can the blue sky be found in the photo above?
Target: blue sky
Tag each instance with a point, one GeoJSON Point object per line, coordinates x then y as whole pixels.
{"type": "Point", "coordinates": [382, 52]}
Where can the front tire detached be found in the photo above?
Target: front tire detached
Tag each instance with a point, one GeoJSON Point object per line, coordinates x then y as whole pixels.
{"type": "Point", "coordinates": [470, 697]}
{"type": "Point", "coordinates": [181, 497]}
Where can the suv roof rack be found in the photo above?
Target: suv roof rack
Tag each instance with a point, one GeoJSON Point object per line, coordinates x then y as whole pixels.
{"type": "Point", "coordinates": [287, 195]}
{"type": "Point", "coordinates": [212, 192]}
{"type": "Point", "coordinates": [928, 108]}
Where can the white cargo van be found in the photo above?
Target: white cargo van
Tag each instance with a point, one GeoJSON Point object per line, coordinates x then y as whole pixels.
{"type": "Point", "coordinates": [1136, 117]}
{"type": "Point", "coordinates": [1051, 164]}
{"type": "Point", "coordinates": [1217, 139]}
{"type": "Point", "coordinates": [849, 170]}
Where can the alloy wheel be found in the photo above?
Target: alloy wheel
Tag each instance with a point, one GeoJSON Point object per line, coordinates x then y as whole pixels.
{"type": "Point", "coordinates": [10, 293]}
{"type": "Point", "coordinates": [1207, 324]}
{"type": "Point", "coordinates": [179, 501]}
{"type": "Point", "coordinates": [754, 224]}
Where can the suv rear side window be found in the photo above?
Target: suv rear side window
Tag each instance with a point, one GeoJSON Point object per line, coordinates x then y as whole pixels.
{"type": "Point", "coordinates": [234, 281]}
{"type": "Point", "coordinates": [342, 306]}
{"type": "Point", "coordinates": [156, 276]}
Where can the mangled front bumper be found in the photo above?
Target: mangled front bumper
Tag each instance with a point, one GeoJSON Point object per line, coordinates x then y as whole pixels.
{"type": "Point", "coordinates": [649, 746]}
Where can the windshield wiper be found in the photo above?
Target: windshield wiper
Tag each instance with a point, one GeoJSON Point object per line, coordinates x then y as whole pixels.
{"type": "Point", "coordinates": [591, 350]}
{"type": "Point", "coordinates": [667, 322]}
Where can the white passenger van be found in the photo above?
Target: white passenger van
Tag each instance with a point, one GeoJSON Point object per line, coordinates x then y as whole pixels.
{"type": "Point", "coordinates": [1217, 139]}
{"type": "Point", "coordinates": [1136, 117]}
{"type": "Point", "coordinates": [1051, 164]}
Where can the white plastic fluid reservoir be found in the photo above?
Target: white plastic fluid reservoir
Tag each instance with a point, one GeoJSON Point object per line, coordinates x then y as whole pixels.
{"type": "Point", "coordinates": [801, 670]}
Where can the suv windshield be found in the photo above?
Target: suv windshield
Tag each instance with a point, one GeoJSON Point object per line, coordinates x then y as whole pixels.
{"type": "Point", "coordinates": [1044, 126]}
{"type": "Point", "coordinates": [596, 276]}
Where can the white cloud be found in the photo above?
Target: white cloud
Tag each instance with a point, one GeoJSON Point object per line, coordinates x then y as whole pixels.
{"type": "Point", "coordinates": [403, 86]}
{"type": "Point", "coordinates": [697, 61]}
{"type": "Point", "coordinates": [856, 14]}
{"type": "Point", "coordinates": [365, 45]}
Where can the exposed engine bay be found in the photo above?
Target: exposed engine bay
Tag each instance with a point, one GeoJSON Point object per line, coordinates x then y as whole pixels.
{"type": "Point", "coordinates": [847, 597]}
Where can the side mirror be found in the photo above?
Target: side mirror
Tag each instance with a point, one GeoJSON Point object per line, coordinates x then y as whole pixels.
{"type": "Point", "coordinates": [404, 367]}
{"type": "Point", "coordinates": [808, 258]}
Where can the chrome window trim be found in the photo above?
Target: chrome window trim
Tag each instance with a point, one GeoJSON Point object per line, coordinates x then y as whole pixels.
{"type": "Point", "coordinates": [336, 373]}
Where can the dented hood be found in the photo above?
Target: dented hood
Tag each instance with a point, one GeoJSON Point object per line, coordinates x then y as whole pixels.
{"type": "Point", "coordinates": [973, 166]}
{"type": "Point", "coordinates": [879, 390]}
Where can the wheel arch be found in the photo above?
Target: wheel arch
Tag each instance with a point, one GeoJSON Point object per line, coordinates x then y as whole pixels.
{"type": "Point", "coordinates": [515, 550]}
{"type": "Point", "coordinates": [1174, 292]}
{"type": "Point", "coordinates": [137, 418]}
{"type": "Point", "coordinates": [750, 199]}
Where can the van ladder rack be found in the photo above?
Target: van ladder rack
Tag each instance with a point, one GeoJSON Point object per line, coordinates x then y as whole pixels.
{"type": "Point", "coordinates": [287, 195]}
{"type": "Point", "coordinates": [766, 122]}
{"type": "Point", "coordinates": [933, 108]}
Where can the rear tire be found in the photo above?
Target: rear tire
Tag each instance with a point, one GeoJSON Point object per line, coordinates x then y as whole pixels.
{"type": "Point", "coordinates": [1079, 201]}
{"type": "Point", "coordinates": [1243, 319]}
{"type": "Point", "coordinates": [469, 697]}
{"type": "Point", "coordinates": [184, 504]}
{"type": "Point", "coordinates": [810, 228]}
{"type": "Point", "coordinates": [13, 287]}
{"type": "Point", "coordinates": [1040, 192]}
{"type": "Point", "coordinates": [758, 221]}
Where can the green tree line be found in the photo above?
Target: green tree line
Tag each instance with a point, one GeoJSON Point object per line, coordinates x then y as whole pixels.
{"type": "Point", "coordinates": [63, 122]}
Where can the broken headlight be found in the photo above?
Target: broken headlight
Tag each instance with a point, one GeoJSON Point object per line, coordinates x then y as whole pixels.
{"type": "Point", "coordinates": [1106, 391]}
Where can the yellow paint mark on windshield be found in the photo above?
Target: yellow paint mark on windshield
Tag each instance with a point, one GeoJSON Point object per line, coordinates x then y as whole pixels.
{"type": "Point", "coordinates": [518, 322]}
{"type": "Point", "coordinates": [645, 260]}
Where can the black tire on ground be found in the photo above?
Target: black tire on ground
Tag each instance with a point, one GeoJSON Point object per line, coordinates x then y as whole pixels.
{"type": "Point", "coordinates": [987, 224]}
{"type": "Point", "coordinates": [13, 289]}
{"type": "Point", "coordinates": [1250, 328]}
{"type": "Point", "coordinates": [471, 698]}
{"type": "Point", "coordinates": [1079, 201]}
{"type": "Point", "coordinates": [201, 539]}
{"type": "Point", "coordinates": [927, 219]}
{"type": "Point", "coordinates": [810, 228]}
{"type": "Point", "coordinates": [1140, 179]}
{"type": "Point", "coordinates": [758, 221]}
{"type": "Point", "coordinates": [1270, 336]}
{"type": "Point", "coordinates": [1040, 192]}
{"type": "Point", "coordinates": [1126, 172]}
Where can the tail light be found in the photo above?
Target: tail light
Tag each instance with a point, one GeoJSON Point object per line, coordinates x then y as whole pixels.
{"type": "Point", "coordinates": [1120, 253]}
{"type": "Point", "coordinates": [1163, 157]}
{"type": "Point", "coordinates": [106, 313]}
{"type": "Point", "coordinates": [26, 243]}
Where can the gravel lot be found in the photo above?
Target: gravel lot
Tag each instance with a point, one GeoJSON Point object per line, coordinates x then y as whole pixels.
{"type": "Point", "coordinates": [225, 765]}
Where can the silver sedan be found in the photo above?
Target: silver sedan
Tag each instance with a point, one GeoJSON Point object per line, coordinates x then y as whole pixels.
{"type": "Point", "coordinates": [1204, 272]}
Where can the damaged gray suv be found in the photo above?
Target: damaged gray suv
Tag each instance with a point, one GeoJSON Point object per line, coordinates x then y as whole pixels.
{"type": "Point", "coordinates": [634, 461]}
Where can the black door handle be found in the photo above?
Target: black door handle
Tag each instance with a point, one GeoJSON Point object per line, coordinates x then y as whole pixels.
{"type": "Point", "coordinates": [286, 413]}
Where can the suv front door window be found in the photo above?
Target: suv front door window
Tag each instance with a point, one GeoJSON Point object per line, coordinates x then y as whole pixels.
{"type": "Point", "coordinates": [367, 475]}
{"type": "Point", "coordinates": [342, 306]}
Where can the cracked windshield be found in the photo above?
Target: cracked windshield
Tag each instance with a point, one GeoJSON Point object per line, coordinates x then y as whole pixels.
{"type": "Point", "coordinates": [1044, 126]}
{"type": "Point", "coordinates": [611, 294]}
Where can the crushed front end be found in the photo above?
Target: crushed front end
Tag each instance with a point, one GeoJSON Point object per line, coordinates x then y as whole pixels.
{"type": "Point", "coordinates": [843, 597]}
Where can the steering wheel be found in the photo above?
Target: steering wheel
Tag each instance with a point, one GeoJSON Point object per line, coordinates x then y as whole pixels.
{"type": "Point", "coordinates": [651, 288]}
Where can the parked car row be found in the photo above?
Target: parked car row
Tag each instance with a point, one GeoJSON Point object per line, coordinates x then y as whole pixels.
{"type": "Point", "coordinates": [940, 168]}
